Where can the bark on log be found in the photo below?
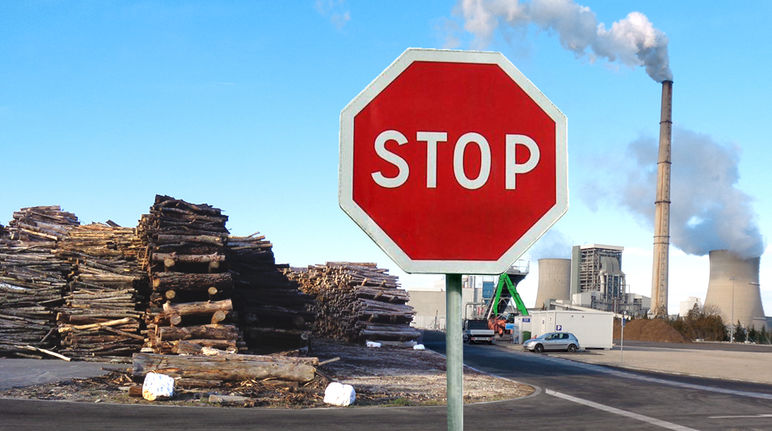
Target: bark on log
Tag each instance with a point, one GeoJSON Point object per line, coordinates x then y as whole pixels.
{"type": "Point", "coordinates": [202, 307]}
{"type": "Point", "coordinates": [185, 281]}
{"type": "Point", "coordinates": [219, 332]}
{"type": "Point", "coordinates": [224, 368]}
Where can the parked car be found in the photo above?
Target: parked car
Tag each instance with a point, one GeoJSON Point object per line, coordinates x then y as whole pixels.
{"type": "Point", "coordinates": [553, 341]}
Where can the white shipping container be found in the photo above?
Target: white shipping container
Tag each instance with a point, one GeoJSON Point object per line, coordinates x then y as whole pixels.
{"type": "Point", "coordinates": [594, 329]}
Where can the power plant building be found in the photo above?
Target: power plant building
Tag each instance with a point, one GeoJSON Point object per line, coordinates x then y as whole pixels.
{"type": "Point", "coordinates": [595, 281]}
{"type": "Point", "coordinates": [598, 268]}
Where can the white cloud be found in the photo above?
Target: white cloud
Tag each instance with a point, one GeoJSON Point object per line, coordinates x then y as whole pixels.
{"type": "Point", "coordinates": [335, 11]}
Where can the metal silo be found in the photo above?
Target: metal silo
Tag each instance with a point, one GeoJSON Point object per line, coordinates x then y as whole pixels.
{"type": "Point", "coordinates": [734, 289]}
{"type": "Point", "coordinates": [554, 281]}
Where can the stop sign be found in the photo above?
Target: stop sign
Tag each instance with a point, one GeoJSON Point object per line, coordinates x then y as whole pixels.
{"type": "Point", "coordinates": [453, 162]}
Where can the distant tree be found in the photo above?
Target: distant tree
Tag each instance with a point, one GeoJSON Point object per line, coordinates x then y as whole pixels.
{"type": "Point", "coordinates": [701, 323]}
{"type": "Point", "coordinates": [753, 335]}
{"type": "Point", "coordinates": [740, 334]}
{"type": "Point", "coordinates": [763, 336]}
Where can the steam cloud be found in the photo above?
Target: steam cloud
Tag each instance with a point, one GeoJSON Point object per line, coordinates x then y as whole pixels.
{"type": "Point", "coordinates": [708, 212]}
{"type": "Point", "coordinates": [554, 244]}
{"type": "Point", "coordinates": [632, 41]}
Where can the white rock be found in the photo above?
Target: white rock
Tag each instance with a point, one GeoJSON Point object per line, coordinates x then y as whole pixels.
{"type": "Point", "coordinates": [157, 386]}
{"type": "Point", "coordinates": [339, 394]}
{"type": "Point", "coordinates": [373, 344]}
{"type": "Point", "coordinates": [419, 347]}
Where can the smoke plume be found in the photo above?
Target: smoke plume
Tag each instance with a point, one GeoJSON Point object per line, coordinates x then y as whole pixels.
{"type": "Point", "coordinates": [553, 245]}
{"type": "Point", "coordinates": [708, 212]}
{"type": "Point", "coordinates": [632, 41]}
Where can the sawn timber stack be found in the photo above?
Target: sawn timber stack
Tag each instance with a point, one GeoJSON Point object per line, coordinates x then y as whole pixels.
{"type": "Point", "coordinates": [357, 302]}
{"type": "Point", "coordinates": [185, 259]}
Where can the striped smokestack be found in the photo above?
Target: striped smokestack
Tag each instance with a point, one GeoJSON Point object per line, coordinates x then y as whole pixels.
{"type": "Point", "coordinates": [662, 207]}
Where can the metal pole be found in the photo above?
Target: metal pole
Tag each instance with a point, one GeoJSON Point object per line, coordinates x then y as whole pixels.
{"type": "Point", "coordinates": [622, 344]}
{"type": "Point", "coordinates": [454, 349]}
{"type": "Point", "coordinates": [731, 335]}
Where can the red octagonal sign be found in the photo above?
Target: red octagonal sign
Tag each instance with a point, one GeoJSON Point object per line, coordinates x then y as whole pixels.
{"type": "Point", "coordinates": [453, 162]}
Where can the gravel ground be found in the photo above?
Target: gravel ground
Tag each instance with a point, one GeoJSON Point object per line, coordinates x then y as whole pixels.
{"type": "Point", "coordinates": [381, 377]}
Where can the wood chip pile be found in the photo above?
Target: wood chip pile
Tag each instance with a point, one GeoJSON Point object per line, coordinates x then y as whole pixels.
{"type": "Point", "coordinates": [32, 280]}
{"type": "Point", "coordinates": [191, 287]}
{"type": "Point", "coordinates": [103, 308]}
{"type": "Point", "coordinates": [272, 313]}
{"type": "Point", "coordinates": [357, 302]}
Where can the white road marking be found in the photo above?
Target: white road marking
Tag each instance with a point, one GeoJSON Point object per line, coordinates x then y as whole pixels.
{"type": "Point", "coordinates": [616, 411]}
{"type": "Point", "coordinates": [628, 375]}
{"type": "Point", "coordinates": [761, 415]}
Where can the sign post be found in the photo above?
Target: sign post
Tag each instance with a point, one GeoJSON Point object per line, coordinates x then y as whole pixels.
{"type": "Point", "coordinates": [453, 162]}
{"type": "Point", "coordinates": [454, 352]}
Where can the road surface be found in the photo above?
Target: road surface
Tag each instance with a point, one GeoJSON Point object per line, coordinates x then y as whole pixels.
{"type": "Point", "coordinates": [570, 395]}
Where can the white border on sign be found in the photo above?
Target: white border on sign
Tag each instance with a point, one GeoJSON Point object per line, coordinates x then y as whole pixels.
{"type": "Point", "coordinates": [346, 168]}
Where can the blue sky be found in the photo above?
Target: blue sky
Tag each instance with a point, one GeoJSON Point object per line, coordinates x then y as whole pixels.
{"type": "Point", "coordinates": [103, 104]}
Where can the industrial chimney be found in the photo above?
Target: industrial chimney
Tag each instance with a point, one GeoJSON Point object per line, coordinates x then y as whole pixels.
{"type": "Point", "coordinates": [734, 289]}
{"type": "Point", "coordinates": [659, 275]}
{"type": "Point", "coordinates": [554, 281]}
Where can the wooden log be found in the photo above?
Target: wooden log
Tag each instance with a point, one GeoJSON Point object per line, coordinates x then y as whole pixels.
{"type": "Point", "coordinates": [186, 281]}
{"type": "Point", "coordinates": [219, 332]}
{"type": "Point", "coordinates": [68, 328]}
{"type": "Point", "coordinates": [183, 239]}
{"type": "Point", "coordinates": [219, 316]}
{"type": "Point", "coordinates": [201, 307]}
{"type": "Point", "coordinates": [47, 352]}
{"type": "Point", "coordinates": [231, 367]}
{"type": "Point", "coordinates": [174, 258]}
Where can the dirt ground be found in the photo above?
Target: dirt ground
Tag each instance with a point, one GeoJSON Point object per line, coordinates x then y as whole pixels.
{"type": "Point", "coordinates": [381, 377]}
{"type": "Point", "coordinates": [655, 330]}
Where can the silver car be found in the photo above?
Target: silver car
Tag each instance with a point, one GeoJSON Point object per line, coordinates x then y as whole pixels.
{"type": "Point", "coordinates": [553, 341]}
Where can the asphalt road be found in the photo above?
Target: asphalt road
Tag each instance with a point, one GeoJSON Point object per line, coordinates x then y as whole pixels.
{"type": "Point", "coordinates": [570, 396]}
{"type": "Point", "coordinates": [728, 347]}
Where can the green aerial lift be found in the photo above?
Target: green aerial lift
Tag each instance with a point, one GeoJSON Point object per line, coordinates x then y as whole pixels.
{"type": "Point", "coordinates": [497, 307]}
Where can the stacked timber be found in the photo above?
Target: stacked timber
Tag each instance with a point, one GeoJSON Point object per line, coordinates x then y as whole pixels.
{"type": "Point", "coordinates": [191, 289]}
{"type": "Point", "coordinates": [357, 302]}
{"type": "Point", "coordinates": [32, 280]}
{"type": "Point", "coordinates": [103, 309]}
{"type": "Point", "coordinates": [213, 371]}
{"type": "Point", "coordinates": [46, 224]}
{"type": "Point", "coordinates": [272, 313]}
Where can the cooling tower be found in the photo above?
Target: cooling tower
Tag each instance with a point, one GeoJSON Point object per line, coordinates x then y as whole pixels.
{"type": "Point", "coordinates": [734, 289]}
{"type": "Point", "coordinates": [554, 281]}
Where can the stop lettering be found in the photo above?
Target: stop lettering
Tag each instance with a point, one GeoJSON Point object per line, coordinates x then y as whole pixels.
{"type": "Point", "coordinates": [432, 139]}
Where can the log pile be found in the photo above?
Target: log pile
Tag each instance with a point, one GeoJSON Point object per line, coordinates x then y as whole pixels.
{"type": "Point", "coordinates": [32, 280]}
{"type": "Point", "coordinates": [357, 302]}
{"type": "Point", "coordinates": [101, 316]}
{"type": "Point", "coordinates": [46, 224]}
{"type": "Point", "coordinates": [191, 289]}
{"type": "Point", "coordinates": [272, 313]}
